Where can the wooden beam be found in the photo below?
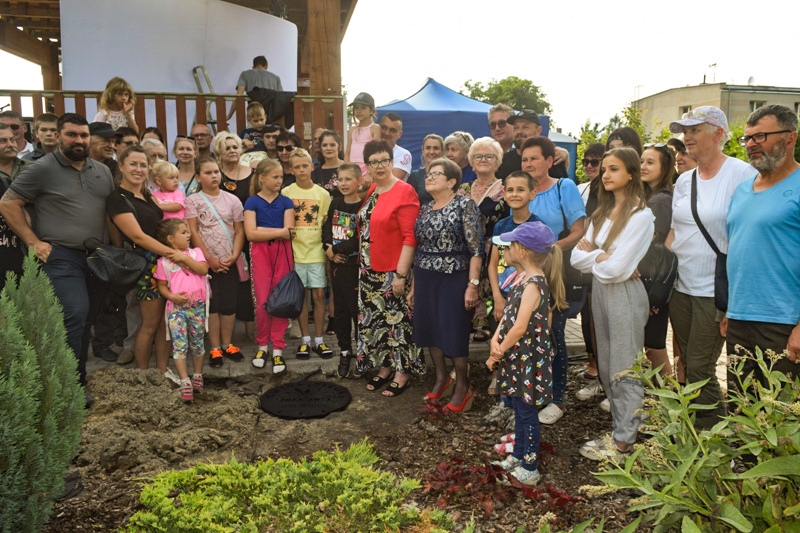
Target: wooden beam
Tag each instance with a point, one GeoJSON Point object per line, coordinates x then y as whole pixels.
{"type": "Point", "coordinates": [323, 38]}
{"type": "Point", "coordinates": [347, 17]}
{"type": "Point", "coordinates": [24, 9]}
{"type": "Point", "coordinates": [26, 46]}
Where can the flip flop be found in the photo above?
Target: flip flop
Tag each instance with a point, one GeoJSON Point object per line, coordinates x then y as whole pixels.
{"type": "Point", "coordinates": [480, 336]}
{"type": "Point", "coordinates": [396, 389]}
{"type": "Point", "coordinates": [377, 382]}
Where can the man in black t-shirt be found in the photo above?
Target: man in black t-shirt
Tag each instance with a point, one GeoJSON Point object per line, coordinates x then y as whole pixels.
{"type": "Point", "coordinates": [526, 124]}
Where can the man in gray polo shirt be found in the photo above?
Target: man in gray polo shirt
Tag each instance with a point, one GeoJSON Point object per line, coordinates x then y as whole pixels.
{"type": "Point", "coordinates": [258, 76]}
{"type": "Point", "coordinates": [68, 194]}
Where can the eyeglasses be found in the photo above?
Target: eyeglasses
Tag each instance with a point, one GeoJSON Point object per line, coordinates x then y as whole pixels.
{"type": "Point", "coordinates": [188, 137]}
{"type": "Point", "coordinates": [759, 137]}
{"type": "Point", "coordinates": [433, 175]}
{"type": "Point", "coordinates": [499, 124]}
{"type": "Point", "coordinates": [591, 162]}
{"type": "Point", "coordinates": [285, 148]}
{"type": "Point", "coordinates": [382, 163]}
{"type": "Point", "coordinates": [484, 157]}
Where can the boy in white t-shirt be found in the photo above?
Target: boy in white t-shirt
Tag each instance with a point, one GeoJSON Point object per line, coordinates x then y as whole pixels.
{"type": "Point", "coordinates": [311, 204]}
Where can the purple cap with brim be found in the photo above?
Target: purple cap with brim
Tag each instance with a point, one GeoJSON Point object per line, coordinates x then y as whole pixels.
{"type": "Point", "coordinates": [535, 236]}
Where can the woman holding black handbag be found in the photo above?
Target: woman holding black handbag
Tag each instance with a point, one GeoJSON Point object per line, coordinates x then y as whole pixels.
{"type": "Point", "coordinates": [558, 204]}
{"type": "Point", "coordinates": [658, 167]}
{"type": "Point", "coordinates": [135, 213]}
{"type": "Point", "coordinates": [706, 191]}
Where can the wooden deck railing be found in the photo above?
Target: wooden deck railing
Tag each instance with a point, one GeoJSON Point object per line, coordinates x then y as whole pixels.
{"type": "Point", "coordinates": [175, 113]}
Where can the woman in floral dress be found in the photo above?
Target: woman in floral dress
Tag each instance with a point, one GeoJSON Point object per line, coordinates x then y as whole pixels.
{"type": "Point", "coordinates": [387, 244]}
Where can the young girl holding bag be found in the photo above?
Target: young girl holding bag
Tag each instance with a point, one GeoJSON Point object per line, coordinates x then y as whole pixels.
{"type": "Point", "coordinates": [269, 226]}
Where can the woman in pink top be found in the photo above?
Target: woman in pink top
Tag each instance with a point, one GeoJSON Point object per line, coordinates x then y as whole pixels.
{"type": "Point", "coordinates": [364, 130]}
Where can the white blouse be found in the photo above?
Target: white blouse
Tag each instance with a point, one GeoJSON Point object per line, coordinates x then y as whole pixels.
{"type": "Point", "coordinates": [626, 251]}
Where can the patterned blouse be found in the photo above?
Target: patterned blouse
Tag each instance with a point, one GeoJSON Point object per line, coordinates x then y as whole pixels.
{"type": "Point", "coordinates": [448, 237]}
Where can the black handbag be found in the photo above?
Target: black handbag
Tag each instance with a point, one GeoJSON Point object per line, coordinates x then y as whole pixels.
{"type": "Point", "coordinates": [574, 280]}
{"type": "Point", "coordinates": [659, 271]}
{"type": "Point", "coordinates": [114, 265]}
{"type": "Point", "coordinates": [285, 300]}
{"type": "Point", "coordinates": [721, 266]}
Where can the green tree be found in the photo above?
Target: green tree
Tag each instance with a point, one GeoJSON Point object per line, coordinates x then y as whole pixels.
{"type": "Point", "coordinates": [40, 398]}
{"type": "Point", "coordinates": [590, 133]}
{"type": "Point", "coordinates": [513, 91]}
{"type": "Point", "coordinates": [732, 147]}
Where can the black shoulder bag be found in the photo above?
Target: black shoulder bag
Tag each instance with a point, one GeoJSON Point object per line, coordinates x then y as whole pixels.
{"type": "Point", "coordinates": [574, 280]}
{"type": "Point", "coordinates": [721, 268]}
{"type": "Point", "coordinates": [115, 265]}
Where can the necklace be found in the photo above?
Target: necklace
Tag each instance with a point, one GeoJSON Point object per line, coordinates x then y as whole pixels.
{"type": "Point", "coordinates": [477, 191]}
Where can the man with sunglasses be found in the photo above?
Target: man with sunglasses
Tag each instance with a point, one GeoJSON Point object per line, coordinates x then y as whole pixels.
{"type": "Point", "coordinates": [18, 126]}
{"type": "Point", "coordinates": [763, 240]}
{"type": "Point", "coordinates": [527, 124]}
{"type": "Point", "coordinates": [391, 130]}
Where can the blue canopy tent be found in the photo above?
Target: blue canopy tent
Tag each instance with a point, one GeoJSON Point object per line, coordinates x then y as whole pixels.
{"type": "Point", "coordinates": [441, 110]}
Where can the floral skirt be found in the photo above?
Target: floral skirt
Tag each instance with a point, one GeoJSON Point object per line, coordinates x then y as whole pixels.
{"type": "Point", "coordinates": [385, 330]}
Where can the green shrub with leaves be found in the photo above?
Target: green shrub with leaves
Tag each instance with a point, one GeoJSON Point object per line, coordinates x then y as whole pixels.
{"type": "Point", "coordinates": [741, 475]}
{"type": "Point", "coordinates": [333, 492]}
{"type": "Point", "coordinates": [41, 402]}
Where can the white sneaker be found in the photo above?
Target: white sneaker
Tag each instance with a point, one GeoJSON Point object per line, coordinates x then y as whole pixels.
{"type": "Point", "coordinates": [497, 414]}
{"type": "Point", "coordinates": [550, 414]}
{"type": "Point", "coordinates": [526, 477]}
{"type": "Point", "coordinates": [595, 388]}
{"type": "Point", "coordinates": [172, 376]}
{"type": "Point", "coordinates": [605, 405]}
{"type": "Point", "coordinates": [509, 463]}
{"type": "Point", "coordinates": [294, 330]}
{"type": "Point", "coordinates": [603, 449]}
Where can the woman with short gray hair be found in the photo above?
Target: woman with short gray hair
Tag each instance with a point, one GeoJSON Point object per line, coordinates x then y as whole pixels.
{"type": "Point", "coordinates": [456, 148]}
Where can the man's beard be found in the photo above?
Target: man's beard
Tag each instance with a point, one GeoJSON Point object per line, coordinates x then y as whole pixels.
{"type": "Point", "coordinates": [74, 155]}
{"type": "Point", "coordinates": [770, 161]}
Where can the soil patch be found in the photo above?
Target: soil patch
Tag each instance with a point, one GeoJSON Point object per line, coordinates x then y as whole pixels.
{"type": "Point", "coordinates": [138, 427]}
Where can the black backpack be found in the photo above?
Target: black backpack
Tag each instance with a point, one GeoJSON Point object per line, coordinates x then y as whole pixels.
{"type": "Point", "coordinates": [658, 270]}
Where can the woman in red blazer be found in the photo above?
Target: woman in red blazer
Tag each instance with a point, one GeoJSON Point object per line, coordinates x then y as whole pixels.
{"type": "Point", "coordinates": [387, 244]}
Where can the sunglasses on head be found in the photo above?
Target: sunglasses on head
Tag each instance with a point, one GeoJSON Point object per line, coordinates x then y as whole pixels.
{"type": "Point", "coordinates": [285, 148]}
{"type": "Point", "coordinates": [188, 137]}
{"type": "Point", "coordinates": [659, 146]}
{"type": "Point", "coordinates": [591, 162]}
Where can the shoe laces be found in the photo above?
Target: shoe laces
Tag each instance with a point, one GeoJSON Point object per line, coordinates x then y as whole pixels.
{"type": "Point", "coordinates": [216, 353]}
{"type": "Point", "coordinates": [232, 349]}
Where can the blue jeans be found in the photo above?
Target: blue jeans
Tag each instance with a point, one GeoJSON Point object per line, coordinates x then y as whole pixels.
{"type": "Point", "coordinates": [79, 294]}
{"type": "Point", "coordinates": [526, 433]}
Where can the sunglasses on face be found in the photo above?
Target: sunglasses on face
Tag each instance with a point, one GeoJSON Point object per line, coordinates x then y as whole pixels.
{"type": "Point", "coordinates": [591, 163]}
{"type": "Point", "coordinates": [499, 124]}
{"type": "Point", "coordinates": [289, 148]}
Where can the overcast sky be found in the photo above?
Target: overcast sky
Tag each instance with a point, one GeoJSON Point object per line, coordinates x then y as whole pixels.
{"type": "Point", "coordinates": [590, 58]}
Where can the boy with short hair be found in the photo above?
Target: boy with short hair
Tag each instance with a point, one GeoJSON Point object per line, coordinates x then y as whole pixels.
{"type": "Point", "coordinates": [340, 240]}
{"type": "Point", "coordinates": [46, 136]}
{"type": "Point", "coordinates": [311, 204]}
{"type": "Point", "coordinates": [253, 137]}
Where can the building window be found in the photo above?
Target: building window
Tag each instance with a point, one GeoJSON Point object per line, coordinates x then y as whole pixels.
{"type": "Point", "coordinates": [685, 109]}
{"type": "Point", "coordinates": [755, 104]}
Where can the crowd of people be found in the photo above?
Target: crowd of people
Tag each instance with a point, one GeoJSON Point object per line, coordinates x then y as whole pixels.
{"type": "Point", "coordinates": [482, 243]}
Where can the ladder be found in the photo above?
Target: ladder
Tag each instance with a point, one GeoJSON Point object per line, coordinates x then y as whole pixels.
{"type": "Point", "coordinates": [212, 123]}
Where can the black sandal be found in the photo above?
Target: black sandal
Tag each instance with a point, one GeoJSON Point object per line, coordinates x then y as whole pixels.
{"type": "Point", "coordinates": [480, 336]}
{"type": "Point", "coordinates": [377, 382]}
{"type": "Point", "coordinates": [396, 389]}
{"type": "Point", "coordinates": [330, 330]}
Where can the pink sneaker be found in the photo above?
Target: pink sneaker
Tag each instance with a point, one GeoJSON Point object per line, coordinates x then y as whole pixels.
{"type": "Point", "coordinates": [504, 448]}
{"type": "Point", "coordinates": [197, 383]}
{"type": "Point", "coordinates": [187, 394]}
{"type": "Point", "coordinates": [509, 437]}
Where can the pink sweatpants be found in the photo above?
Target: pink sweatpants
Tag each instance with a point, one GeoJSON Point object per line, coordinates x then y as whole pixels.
{"type": "Point", "coordinates": [270, 262]}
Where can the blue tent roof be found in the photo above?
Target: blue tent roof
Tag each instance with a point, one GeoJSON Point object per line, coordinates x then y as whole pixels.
{"type": "Point", "coordinates": [441, 110]}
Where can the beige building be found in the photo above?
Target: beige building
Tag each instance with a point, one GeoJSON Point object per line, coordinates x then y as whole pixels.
{"type": "Point", "coordinates": [737, 101]}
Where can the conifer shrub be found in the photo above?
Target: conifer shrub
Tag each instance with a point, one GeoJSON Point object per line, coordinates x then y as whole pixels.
{"type": "Point", "coordinates": [333, 492]}
{"type": "Point", "coordinates": [41, 402]}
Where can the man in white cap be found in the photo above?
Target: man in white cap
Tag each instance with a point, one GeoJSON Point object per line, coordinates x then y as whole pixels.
{"type": "Point", "coordinates": [699, 212]}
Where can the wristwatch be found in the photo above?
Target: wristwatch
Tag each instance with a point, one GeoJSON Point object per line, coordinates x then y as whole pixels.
{"type": "Point", "coordinates": [475, 282]}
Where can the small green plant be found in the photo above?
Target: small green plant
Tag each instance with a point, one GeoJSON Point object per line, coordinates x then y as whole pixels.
{"type": "Point", "coordinates": [41, 402]}
{"type": "Point", "coordinates": [686, 477]}
{"type": "Point", "coordinates": [334, 492]}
